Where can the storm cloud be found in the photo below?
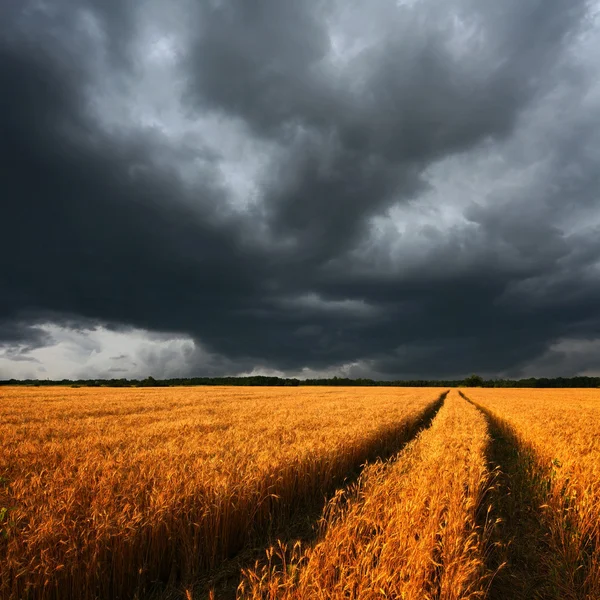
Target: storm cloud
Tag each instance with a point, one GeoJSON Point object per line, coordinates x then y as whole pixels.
{"type": "Point", "coordinates": [387, 189]}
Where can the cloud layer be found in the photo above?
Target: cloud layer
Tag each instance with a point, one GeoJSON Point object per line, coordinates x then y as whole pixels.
{"type": "Point", "coordinates": [392, 189]}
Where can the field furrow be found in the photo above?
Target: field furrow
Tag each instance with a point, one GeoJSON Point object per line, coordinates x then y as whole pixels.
{"type": "Point", "coordinates": [412, 528]}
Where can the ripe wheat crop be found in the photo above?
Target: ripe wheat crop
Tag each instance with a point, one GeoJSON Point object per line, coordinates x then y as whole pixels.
{"type": "Point", "coordinates": [413, 528]}
{"type": "Point", "coordinates": [147, 493]}
{"type": "Point", "coordinates": [557, 433]}
{"type": "Point", "coordinates": [105, 492]}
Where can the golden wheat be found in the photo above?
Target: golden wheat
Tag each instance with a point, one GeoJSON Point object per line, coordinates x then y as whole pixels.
{"type": "Point", "coordinates": [408, 531]}
{"type": "Point", "coordinates": [558, 434]}
{"type": "Point", "coordinates": [105, 492]}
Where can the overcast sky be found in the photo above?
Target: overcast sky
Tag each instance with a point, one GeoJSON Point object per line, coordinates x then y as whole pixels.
{"type": "Point", "coordinates": [390, 188]}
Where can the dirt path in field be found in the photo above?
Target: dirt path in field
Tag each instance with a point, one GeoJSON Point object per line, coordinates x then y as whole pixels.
{"type": "Point", "coordinates": [303, 528]}
{"type": "Point", "coordinates": [520, 554]}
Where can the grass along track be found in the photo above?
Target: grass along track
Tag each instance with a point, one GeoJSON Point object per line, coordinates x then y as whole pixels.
{"type": "Point", "coordinates": [409, 528]}
{"type": "Point", "coordinates": [119, 492]}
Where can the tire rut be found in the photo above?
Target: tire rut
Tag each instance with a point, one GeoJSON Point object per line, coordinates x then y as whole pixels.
{"type": "Point", "coordinates": [521, 557]}
{"type": "Point", "coordinates": [305, 527]}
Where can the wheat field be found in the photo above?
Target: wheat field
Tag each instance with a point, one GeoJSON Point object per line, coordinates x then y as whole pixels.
{"type": "Point", "coordinates": [411, 493]}
{"type": "Point", "coordinates": [107, 492]}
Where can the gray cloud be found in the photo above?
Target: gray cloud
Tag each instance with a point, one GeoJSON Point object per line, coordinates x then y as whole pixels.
{"type": "Point", "coordinates": [400, 189]}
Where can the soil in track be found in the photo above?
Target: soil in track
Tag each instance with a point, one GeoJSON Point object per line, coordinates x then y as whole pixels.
{"type": "Point", "coordinates": [304, 528]}
{"type": "Point", "coordinates": [520, 555]}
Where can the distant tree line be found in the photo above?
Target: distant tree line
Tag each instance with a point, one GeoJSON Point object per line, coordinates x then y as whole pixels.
{"type": "Point", "coordinates": [260, 380]}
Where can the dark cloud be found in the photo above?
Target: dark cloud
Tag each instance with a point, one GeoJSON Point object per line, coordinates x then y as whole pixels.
{"type": "Point", "coordinates": [284, 182]}
{"type": "Point", "coordinates": [358, 136]}
{"type": "Point", "coordinates": [117, 371]}
{"type": "Point", "coordinates": [20, 337]}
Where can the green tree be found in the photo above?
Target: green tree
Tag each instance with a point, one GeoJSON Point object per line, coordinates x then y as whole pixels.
{"type": "Point", "coordinates": [473, 381]}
